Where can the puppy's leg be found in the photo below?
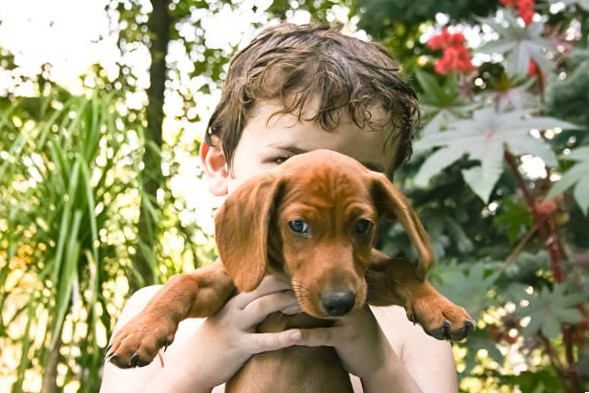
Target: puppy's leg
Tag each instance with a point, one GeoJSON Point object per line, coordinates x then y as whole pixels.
{"type": "Point", "coordinates": [199, 294]}
{"type": "Point", "coordinates": [394, 281]}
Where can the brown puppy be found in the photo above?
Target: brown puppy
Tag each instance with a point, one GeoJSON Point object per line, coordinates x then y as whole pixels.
{"type": "Point", "coordinates": [312, 222]}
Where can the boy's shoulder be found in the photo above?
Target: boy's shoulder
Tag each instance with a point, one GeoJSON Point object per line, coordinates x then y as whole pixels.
{"type": "Point", "coordinates": [400, 331]}
{"type": "Point", "coordinates": [137, 302]}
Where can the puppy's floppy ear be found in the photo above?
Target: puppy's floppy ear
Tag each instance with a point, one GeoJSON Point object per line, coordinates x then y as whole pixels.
{"type": "Point", "coordinates": [392, 204]}
{"type": "Point", "coordinates": [241, 230]}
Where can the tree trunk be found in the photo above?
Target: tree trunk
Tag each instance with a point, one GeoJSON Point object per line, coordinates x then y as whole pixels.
{"type": "Point", "coordinates": [50, 372]}
{"type": "Point", "coordinates": [159, 28]}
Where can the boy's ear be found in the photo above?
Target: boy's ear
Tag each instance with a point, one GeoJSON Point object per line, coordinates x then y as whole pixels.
{"type": "Point", "coordinates": [215, 167]}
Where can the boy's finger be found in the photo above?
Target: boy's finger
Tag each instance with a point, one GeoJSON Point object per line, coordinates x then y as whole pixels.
{"type": "Point", "coordinates": [263, 342]}
{"type": "Point", "coordinates": [269, 285]}
{"type": "Point", "coordinates": [318, 337]}
{"type": "Point", "coordinates": [258, 309]}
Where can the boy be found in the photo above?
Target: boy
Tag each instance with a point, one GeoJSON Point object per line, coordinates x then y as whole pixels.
{"type": "Point", "coordinates": [295, 89]}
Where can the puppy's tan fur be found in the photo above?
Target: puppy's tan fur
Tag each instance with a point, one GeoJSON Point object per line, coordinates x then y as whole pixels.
{"type": "Point", "coordinates": [334, 196]}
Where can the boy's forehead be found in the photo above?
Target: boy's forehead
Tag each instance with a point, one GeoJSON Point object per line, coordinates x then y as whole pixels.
{"type": "Point", "coordinates": [270, 127]}
{"type": "Point", "coordinates": [272, 109]}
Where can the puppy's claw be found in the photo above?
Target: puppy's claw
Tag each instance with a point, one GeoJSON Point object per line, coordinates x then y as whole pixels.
{"type": "Point", "coordinates": [411, 317]}
{"type": "Point", "coordinates": [114, 359]}
{"type": "Point", "coordinates": [471, 325]}
{"type": "Point", "coordinates": [136, 361]}
{"type": "Point", "coordinates": [442, 333]}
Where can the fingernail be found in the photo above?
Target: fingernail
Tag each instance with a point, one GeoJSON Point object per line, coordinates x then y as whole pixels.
{"type": "Point", "coordinates": [295, 335]}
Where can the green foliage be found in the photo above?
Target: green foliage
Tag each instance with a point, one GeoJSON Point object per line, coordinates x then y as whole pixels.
{"type": "Point", "coordinates": [379, 17]}
{"type": "Point", "coordinates": [519, 257]}
{"type": "Point", "coordinates": [568, 99]}
{"type": "Point", "coordinates": [442, 102]}
{"type": "Point", "coordinates": [467, 285]}
{"type": "Point", "coordinates": [485, 137]}
{"type": "Point", "coordinates": [66, 179]}
{"type": "Point", "coordinates": [513, 219]}
{"type": "Point", "coordinates": [551, 308]}
{"type": "Point", "coordinates": [519, 45]}
{"type": "Point", "coordinates": [543, 381]}
{"type": "Point", "coordinates": [576, 176]}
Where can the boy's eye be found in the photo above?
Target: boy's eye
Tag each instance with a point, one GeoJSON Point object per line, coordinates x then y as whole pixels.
{"type": "Point", "coordinates": [362, 226]}
{"type": "Point", "coordinates": [298, 226]}
{"type": "Point", "coordinates": [280, 160]}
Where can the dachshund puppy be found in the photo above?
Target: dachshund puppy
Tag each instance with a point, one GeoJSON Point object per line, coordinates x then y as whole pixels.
{"type": "Point", "coordinates": [312, 222]}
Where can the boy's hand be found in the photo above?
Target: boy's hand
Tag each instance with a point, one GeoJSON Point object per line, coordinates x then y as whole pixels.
{"type": "Point", "coordinates": [226, 340]}
{"type": "Point", "coordinates": [358, 340]}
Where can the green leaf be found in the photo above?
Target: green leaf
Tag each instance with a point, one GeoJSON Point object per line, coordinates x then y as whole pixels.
{"type": "Point", "coordinates": [519, 45]}
{"type": "Point", "coordinates": [549, 309]}
{"type": "Point", "coordinates": [477, 341]}
{"type": "Point", "coordinates": [575, 176]}
{"type": "Point", "coordinates": [483, 178]}
{"type": "Point", "coordinates": [466, 285]}
{"type": "Point", "coordinates": [441, 102]}
{"type": "Point", "coordinates": [483, 138]}
{"type": "Point", "coordinates": [584, 4]}
{"type": "Point", "coordinates": [581, 193]}
{"type": "Point", "coordinates": [435, 163]}
{"type": "Point", "coordinates": [432, 90]}
{"type": "Point", "coordinates": [513, 218]}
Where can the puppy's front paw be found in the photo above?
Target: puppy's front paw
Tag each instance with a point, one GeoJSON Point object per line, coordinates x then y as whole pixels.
{"type": "Point", "coordinates": [137, 343]}
{"type": "Point", "coordinates": [440, 318]}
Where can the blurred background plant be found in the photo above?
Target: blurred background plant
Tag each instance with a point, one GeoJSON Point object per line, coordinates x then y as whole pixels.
{"type": "Point", "coordinates": [94, 202]}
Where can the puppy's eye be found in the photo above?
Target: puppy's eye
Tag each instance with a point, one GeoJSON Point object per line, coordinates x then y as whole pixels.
{"type": "Point", "coordinates": [298, 226]}
{"type": "Point", "coordinates": [362, 226]}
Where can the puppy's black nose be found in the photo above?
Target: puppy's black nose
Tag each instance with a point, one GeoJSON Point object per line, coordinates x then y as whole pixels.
{"type": "Point", "coordinates": [337, 303]}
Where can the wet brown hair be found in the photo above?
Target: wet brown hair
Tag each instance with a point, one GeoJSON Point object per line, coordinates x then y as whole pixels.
{"type": "Point", "coordinates": [297, 64]}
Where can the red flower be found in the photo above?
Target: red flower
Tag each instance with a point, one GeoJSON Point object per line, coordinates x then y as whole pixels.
{"type": "Point", "coordinates": [456, 56]}
{"type": "Point", "coordinates": [454, 59]}
{"type": "Point", "coordinates": [533, 69]}
{"type": "Point", "coordinates": [545, 208]}
{"type": "Point", "coordinates": [446, 39]}
{"type": "Point", "coordinates": [526, 10]}
{"type": "Point", "coordinates": [439, 41]}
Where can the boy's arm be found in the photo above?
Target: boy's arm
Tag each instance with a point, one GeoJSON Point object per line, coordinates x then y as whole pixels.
{"type": "Point", "coordinates": [200, 357]}
{"type": "Point", "coordinates": [152, 376]}
{"type": "Point", "coordinates": [427, 361]}
{"type": "Point", "coordinates": [385, 350]}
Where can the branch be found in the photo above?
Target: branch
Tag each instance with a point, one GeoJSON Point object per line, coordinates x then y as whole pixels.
{"type": "Point", "coordinates": [548, 232]}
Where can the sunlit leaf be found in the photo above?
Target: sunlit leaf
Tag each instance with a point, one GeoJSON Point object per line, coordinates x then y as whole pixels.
{"type": "Point", "coordinates": [479, 340]}
{"type": "Point", "coordinates": [50, 222]}
{"type": "Point", "coordinates": [483, 138]}
{"type": "Point", "coordinates": [576, 176]}
{"type": "Point", "coordinates": [519, 45]}
{"type": "Point", "coordinates": [584, 4]}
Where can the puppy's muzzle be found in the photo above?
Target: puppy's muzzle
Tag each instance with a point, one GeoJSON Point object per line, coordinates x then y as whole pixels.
{"type": "Point", "coordinates": [337, 303]}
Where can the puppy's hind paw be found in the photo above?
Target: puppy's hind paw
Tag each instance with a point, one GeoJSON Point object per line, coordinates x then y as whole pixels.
{"type": "Point", "coordinates": [443, 319]}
